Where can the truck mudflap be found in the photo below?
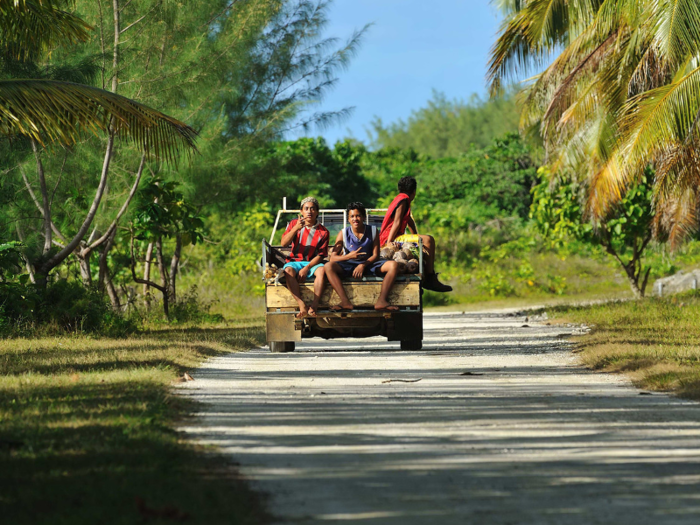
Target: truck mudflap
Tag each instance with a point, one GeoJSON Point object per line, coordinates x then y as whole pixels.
{"type": "Point", "coordinates": [281, 327]}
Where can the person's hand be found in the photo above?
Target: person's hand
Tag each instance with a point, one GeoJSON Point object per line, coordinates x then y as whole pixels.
{"type": "Point", "coordinates": [354, 254]}
{"type": "Point", "coordinates": [359, 271]}
{"type": "Point", "coordinates": [303, 273]}
{"type": "Point", "coordinates": [301, 223]}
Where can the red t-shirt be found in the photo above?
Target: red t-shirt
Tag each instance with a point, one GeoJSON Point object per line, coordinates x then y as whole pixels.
{"type": "Point", "coordinates": [389, 218]}
{"type": "Point", "coordinates": [308, 242]}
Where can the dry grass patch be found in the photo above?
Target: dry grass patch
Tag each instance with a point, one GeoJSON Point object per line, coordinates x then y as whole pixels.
{"type": "Point", "coordinates": [655, 341]}
{"type": "Point", "coordinates": [86, 431]}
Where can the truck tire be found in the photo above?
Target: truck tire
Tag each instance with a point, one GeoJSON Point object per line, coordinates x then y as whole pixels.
{"type": "Point", "coordinates": [281, 346]}
{"type": "Point", "coordinates": [411, 344]}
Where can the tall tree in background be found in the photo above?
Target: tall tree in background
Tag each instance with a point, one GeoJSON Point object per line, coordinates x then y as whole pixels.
{"type": "Point", "coordinates": [270, 91]}
{"type": "Point", "coordinates": [448, 128]}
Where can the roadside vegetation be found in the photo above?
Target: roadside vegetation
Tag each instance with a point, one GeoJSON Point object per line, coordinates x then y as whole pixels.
{"type": "Point", "coordinates": [656, 341]}
{"type": "Point", "coordinates": [87, 430]}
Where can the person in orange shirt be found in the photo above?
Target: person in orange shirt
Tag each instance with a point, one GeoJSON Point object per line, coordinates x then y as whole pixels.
{"type": "Point", "coordinates": [397, 219]}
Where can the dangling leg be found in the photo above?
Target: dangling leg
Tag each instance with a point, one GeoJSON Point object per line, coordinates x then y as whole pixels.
{"type": "Point", "coordinates": [290, 275]}
{"type": "Point", "coordinates": [320, 276]}
{"type": "Point", "coordinates": [390, 269]}
{"type": "Point", "coordinates": [332, 270]}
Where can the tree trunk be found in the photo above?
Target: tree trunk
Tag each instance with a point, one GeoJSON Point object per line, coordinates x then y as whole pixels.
{"type": "Point", "coordinates": [162, 288]}
{"type": "Point", "coordinates": [163, 276]}
{"type": "Point", "coordinates": [174, 267]}
{"type": "Point", "coordinates": [147, 276]}
{"type": "Point", "coordinates": [58, 258]}
{"type": "Point", "coordinates": [44, 199]}
{"type": "Point", "coordinates": [104, 277]}
{"type": "Point", "coordinates": [634, 284]}
{"type": "Point", "coordinates": [84, 263]}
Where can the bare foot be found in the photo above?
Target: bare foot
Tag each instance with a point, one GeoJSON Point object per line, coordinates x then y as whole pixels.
{"type": "Point", "coordinates": [341, 307]}
{"type": "Point", "coordinates": [383, 305]}
{"type": "Point", "coordinates": [312, 311]}
{"type": "Point", "coordinates": [303, 312]}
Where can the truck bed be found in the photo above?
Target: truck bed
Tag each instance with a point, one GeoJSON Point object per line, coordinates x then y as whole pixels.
{"type": "Point", "coordinates": [362, 293]}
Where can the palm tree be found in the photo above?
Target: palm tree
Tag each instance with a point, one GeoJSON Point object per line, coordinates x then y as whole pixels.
{"type": "Point", "coordinates": [48, 111]}
{"type": "Point", "coordinates": [622, 92]}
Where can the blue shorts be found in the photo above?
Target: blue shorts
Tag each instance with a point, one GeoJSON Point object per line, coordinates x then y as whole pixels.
{"type": "Point", "coordinates": [298, 265]}
{"type": "Point", "coordinates": [347, 267]}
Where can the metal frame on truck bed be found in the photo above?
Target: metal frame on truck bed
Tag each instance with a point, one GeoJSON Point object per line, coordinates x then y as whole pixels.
{"type": "Point", "coordinates": [284, 329]}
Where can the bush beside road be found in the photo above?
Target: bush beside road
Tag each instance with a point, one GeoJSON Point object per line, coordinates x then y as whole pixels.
{"type": "Point", "coordinates": [655, 341]}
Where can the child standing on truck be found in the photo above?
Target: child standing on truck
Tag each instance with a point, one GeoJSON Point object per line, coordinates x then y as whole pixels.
{"type": "Point", "coordinates": [309, 240]}
{"type": "Point", "coordinates": [361, 246]}
{"type": "Point", "coordinates": [397, 218]}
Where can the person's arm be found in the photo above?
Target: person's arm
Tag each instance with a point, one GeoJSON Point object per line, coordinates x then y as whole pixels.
{"type": "Point", "coordinates": [337, 250]}
{"type": "Point", "coordinates": [375, 251]}
{"type": "Point", "coordinates": [291, 232]}
{"type": "Point", "coordinates": [359, 270]}
{"type": "Point", "coordinates": [398, 214]}
{"type": "Point", "coordinates": [412, 225]}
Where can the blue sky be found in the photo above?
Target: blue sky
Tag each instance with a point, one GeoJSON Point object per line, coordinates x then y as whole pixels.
{"type": "Point", "coordinates": [413, 47]}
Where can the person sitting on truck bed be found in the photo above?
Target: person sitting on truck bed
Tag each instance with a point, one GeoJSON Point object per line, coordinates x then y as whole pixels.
{"type": "Point", "coordinates": [361, 246]}
{"type": "Point", "coordinates": [309, 240]}
{"type": "Point", "coordinates": [397, 218]}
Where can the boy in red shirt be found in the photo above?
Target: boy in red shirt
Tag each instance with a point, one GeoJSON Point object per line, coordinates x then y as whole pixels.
{"type": "Point", "coordinates": [394, 226]}
{"type": "Point", "coordinates": [309, 240]}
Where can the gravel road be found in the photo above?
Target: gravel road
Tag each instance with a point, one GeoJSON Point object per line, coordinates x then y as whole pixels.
{"type": "Point", "coordinates": [493, 422]}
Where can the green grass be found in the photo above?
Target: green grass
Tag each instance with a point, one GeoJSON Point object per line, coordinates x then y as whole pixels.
{"type": "Point", "coordinates": [655, 341]}
{"type": "Point", "coordinates": [86, 431]}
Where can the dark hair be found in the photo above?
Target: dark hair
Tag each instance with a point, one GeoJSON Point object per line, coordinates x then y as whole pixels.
{"type": "Point", "coordinates": [407, 185]}
{"type": "Point", "coordinates": [359, 207]}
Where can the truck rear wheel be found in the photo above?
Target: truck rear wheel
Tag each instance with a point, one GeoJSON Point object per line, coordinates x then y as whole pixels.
{"type": "Point", "coordinates": [411, 344]}
{"type": "Point", "coordinates": [281, 346]}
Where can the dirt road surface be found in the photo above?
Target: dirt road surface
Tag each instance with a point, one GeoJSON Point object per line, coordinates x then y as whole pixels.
{"type": "Point", "coordinates": [493, 422]}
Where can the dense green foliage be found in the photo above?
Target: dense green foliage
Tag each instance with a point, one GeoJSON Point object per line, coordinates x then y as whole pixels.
{"type": "Point", "coordinates": [624, 234]}
{"type": "Point", "coordinates": [449, 128]}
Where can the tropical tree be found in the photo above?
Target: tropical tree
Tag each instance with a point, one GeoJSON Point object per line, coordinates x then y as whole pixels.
{"type": "Point", "coordinates": [163, 213]}
{"type": "Point", "coordinates": [558, 215]}
{"type": "Point", "coordinates": [622, 92]}
{"type": "Point", "coordinates": [51, 111]}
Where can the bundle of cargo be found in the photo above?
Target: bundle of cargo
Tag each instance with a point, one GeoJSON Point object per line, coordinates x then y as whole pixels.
{"type": "Point", "coordinates": [406, 254]}
{"type": "Point", "coordinates": [272, 274]}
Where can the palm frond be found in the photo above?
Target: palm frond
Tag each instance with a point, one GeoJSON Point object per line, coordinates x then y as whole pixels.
{"type": "Point", "coordinates": [30, 27]}
{"type": "Point", "coordinates": [52, 111]}
{"type": "Point", "coordinates": [676, 217]}
{"type": "Point", "coordinates": [606, 188]}
{"type": "Point", "coordinates": [660, 117]}
{"type": "Point", "coordinates": [563, 98]}
{"type": "Point", "coordinates": [677, 31]}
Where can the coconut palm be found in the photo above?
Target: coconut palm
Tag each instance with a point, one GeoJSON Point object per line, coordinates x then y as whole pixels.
{"type": "Point", "coordinates": [622, 92]}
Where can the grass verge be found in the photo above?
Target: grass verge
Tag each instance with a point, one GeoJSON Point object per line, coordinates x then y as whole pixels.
{"type": "Point", "coordinates": [655, 341]}
{"type": "Point", "coordinates": [86, 431]}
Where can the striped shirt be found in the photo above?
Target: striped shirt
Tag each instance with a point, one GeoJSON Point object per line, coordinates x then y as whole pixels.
{"type": "Point", "coordinates": [308, 242]}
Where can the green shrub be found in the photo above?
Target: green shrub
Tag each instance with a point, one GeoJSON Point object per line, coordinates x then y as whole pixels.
{"type": "Point", "coordinates": [63, 306]}
{"type": "Point", "coordinates": [189, 308]}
